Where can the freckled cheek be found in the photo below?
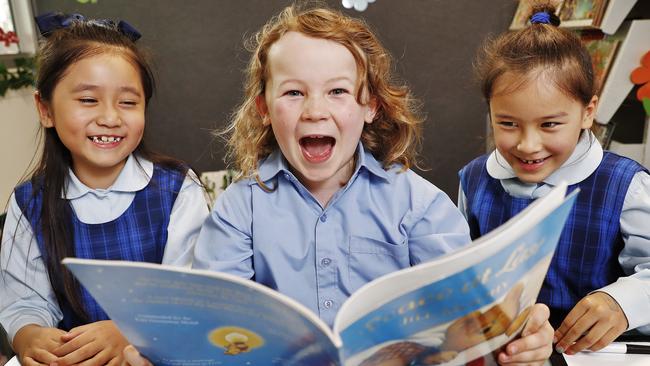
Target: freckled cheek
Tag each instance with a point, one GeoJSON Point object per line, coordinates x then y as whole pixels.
{"type": "Point", "coordinates": [284, 113]}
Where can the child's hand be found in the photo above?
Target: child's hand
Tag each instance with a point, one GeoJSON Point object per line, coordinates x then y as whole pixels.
{"type": "Point", "coordinates": [132, 358]}
{"type": "Point", "coordinates": [593, 323]}
{"type": "Point", "coordinates": [100, 343]}
{"type": "Point", "coordinates": [535, 345]}
{"type": "Point", "coordinates": [35, 344]}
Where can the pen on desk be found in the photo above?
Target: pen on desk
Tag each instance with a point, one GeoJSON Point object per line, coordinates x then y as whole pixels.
{"type": "Point", "coordinates": [626, 348]}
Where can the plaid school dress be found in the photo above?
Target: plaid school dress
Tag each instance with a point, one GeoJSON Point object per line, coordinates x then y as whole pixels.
{"type": "Point", "coordinates": [586, 258]}
{"type": "Point", "coordinates": [139, 234]}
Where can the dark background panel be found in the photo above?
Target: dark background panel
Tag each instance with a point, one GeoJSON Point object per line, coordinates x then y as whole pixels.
{"type": "Point", "coordinates": [199, 57]}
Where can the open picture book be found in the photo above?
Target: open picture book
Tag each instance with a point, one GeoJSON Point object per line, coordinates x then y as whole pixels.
{"type": "Point", "coordinates": [451, 310]}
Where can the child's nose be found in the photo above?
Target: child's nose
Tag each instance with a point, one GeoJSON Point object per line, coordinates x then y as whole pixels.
{"type": "Point", "coordinates": [530, 142]}
{"type": "Point", "coordinates": [109, 117]}
{"type": "Point", "coordinates": [314, 109]}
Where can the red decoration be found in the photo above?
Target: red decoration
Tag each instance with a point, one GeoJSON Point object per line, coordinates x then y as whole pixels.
{"type": "Point", "coordinates": [641, 75]}
{"type": "Point", "coordinates": [8, 37]}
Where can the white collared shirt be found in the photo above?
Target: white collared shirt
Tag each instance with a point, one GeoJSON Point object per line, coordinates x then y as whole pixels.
{"type": "Point", "coordinates": [26, 295]}
{"type": "Point", "coordinates": [632, 292]}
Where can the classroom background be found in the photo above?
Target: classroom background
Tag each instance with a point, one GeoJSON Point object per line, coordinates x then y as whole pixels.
{"type": "Point", "coordinates": [198, 51]}
{"type": "Point", "coordinates": [199, 55]}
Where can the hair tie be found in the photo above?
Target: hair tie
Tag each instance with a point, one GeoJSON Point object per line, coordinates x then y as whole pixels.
{"type": "Point", "coordinates": [544, 17]}
{"type": "Point", "coordinates": [49, 22]}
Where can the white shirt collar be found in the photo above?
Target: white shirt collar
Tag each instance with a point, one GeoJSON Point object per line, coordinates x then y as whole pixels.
{"type": "Point", "coordinates": [583, 161]}
{"type": "Point", "coordinates": [135, 175]}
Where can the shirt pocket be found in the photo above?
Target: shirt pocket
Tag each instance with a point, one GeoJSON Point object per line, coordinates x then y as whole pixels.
{"type": "Point", "coordinates": [371, 258]}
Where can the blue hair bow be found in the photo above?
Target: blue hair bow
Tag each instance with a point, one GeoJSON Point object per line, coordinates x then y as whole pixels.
{"type": "Point", "coordinates": [544, 17]}
{"type": "Point", "coordinates": [49, 22]}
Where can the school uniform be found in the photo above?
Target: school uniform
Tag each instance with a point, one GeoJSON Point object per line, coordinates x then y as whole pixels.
{"type": "Point", "coordinates": [605, 245]}
{"type": "Point", "coordinates": [150, 213]}
{"type": "Point", "coordinates": [379, 222]}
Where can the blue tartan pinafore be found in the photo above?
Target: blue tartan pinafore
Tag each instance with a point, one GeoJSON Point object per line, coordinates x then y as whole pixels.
{"type": "Point", "coordinates": [586, 258]}
{"type": "Point", "coordinates": [139, 234]}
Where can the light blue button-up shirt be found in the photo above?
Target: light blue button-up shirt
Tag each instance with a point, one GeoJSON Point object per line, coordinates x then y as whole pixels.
{"type": "Point", "coordinates": [380, 221]}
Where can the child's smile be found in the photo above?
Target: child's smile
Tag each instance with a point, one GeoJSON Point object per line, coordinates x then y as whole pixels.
{"type": "Point", "coordinates": [317, 148]}
{"type": "Point", "coordinates": [311, 103]}
{"type": "Point", "coordinates": [104, 141]}
{"type": "Point", "coordinates": [536, 125]}
{"type": "Point", "coordinates": [97, 110]}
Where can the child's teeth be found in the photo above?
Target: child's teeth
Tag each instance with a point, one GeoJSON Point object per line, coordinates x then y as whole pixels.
{"type": "Point", "coordinates": [105, 139]}
{"type": "Point", "coordinates": [533, 161]}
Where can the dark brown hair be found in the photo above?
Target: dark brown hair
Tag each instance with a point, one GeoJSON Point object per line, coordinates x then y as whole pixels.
{"type": "Point", "coordinates": [538, 48]}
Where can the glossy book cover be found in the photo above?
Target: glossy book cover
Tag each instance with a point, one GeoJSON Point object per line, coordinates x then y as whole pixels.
{"type": "Point", "coordinates": [451, 310]}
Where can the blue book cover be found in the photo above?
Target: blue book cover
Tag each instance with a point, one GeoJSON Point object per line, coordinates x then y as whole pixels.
{"type": "Point", "coordinates": [450, 311]}
{"type": "Point", "coordinates": [176, 316]}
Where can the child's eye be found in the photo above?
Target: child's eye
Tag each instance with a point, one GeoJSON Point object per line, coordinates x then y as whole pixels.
{"type": "Point", "coordinates": [507, 124]}
{"type": "Point", "coordinates": [129, 103]}
{"type": "Point", "coordinates": [87, 100]}
{"type": "Point", "coordinates": [338, 91]}
{"type": "Point", "coordinates": [550, 124]}
{"type": "Point", "coordinates": [293, 93]}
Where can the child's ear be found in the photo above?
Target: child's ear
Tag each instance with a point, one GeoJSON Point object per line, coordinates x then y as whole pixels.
{"type": "Point", "coordinates": [590, 113]}
{"type": "Point", "coordinates": [371, 110]}
{"type": "Point", "coordinates": [44, 112]}
{"type": "Point", "coordinates": [262, 109]}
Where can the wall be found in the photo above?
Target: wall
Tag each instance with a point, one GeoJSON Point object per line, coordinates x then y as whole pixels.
{"type": "Point", "coordinates": [18, 132]}
{"type": "Point", "coordinates": [198, 48]}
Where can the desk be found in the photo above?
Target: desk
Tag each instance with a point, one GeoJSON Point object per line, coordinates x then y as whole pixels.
{"type": "Point", "coordinates": [601, 359]}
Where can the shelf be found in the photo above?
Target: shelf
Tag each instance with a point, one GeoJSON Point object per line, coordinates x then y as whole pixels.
{"type": "Point", "coordinates": [615, 13]}
{"type": "Point", "coordinates": [618, 85]}
{"type": "Point", "coordinates": [23, 20]}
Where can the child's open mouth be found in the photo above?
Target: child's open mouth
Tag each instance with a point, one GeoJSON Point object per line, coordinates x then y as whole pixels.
{"type": "Point", "coordinates": [105, 141]}
{"type": "Point", "coordinates": [317, 148]}
{"type": "Point", "coordinates": [531, 164]}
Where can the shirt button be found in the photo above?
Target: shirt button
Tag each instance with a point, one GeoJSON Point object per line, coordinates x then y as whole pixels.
{"type": "Point", "coordinates": [328, 304]}
{"type": "Point", "coordinates": [323, 217]}
{"type": "Point", "coordinates": [325, 262]}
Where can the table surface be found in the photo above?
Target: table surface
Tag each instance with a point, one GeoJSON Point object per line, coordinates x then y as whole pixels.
{"type": "Point", "coordinates": [601, 359]}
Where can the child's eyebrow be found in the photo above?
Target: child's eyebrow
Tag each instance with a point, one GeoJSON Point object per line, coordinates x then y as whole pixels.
{"type": "Point", "coordinates": [340, 78]}
{"type": "Point", "coordinates": [91, 87]}
{"type": "Point", "coordinates": [556, 115]}
{"type": "Point", "coordinates": [504, 116]}
{"type": "Point", "coordinates": [550, 116]}
{"type": "Point", "coordinates": [84, 87]}
{"type": "Point", "coordinates": [130, 89]}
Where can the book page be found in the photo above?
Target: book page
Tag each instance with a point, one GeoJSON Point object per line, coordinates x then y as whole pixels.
{"type": "Point", "coordinates": [443, 306]}
{"type": "Point", "coordinates": [176, 316]}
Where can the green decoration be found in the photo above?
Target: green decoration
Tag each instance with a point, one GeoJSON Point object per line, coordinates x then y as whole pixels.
{"type": "Point", "coordinates": [19, 77]}
{"type": "Point", "coordinates": [646, 106]}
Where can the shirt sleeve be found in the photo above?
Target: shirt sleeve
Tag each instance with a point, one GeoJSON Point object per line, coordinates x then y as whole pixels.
{"type": "Point", "coordinates": [225, 241]}
{"type": "Point", "coordinates": [27, 296]}
{"type": "Point", "coordinates": [462, 201]}
{"type": "Point", "coordinates": [633, 292]}
{"type": "Point", "coordinates": [188, 214]}
{"type": "Point", "coordinates": [439, 228]}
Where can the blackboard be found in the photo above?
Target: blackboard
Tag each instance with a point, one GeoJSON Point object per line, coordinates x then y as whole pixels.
{"type": "Point", "coordinates": [199, 55]}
